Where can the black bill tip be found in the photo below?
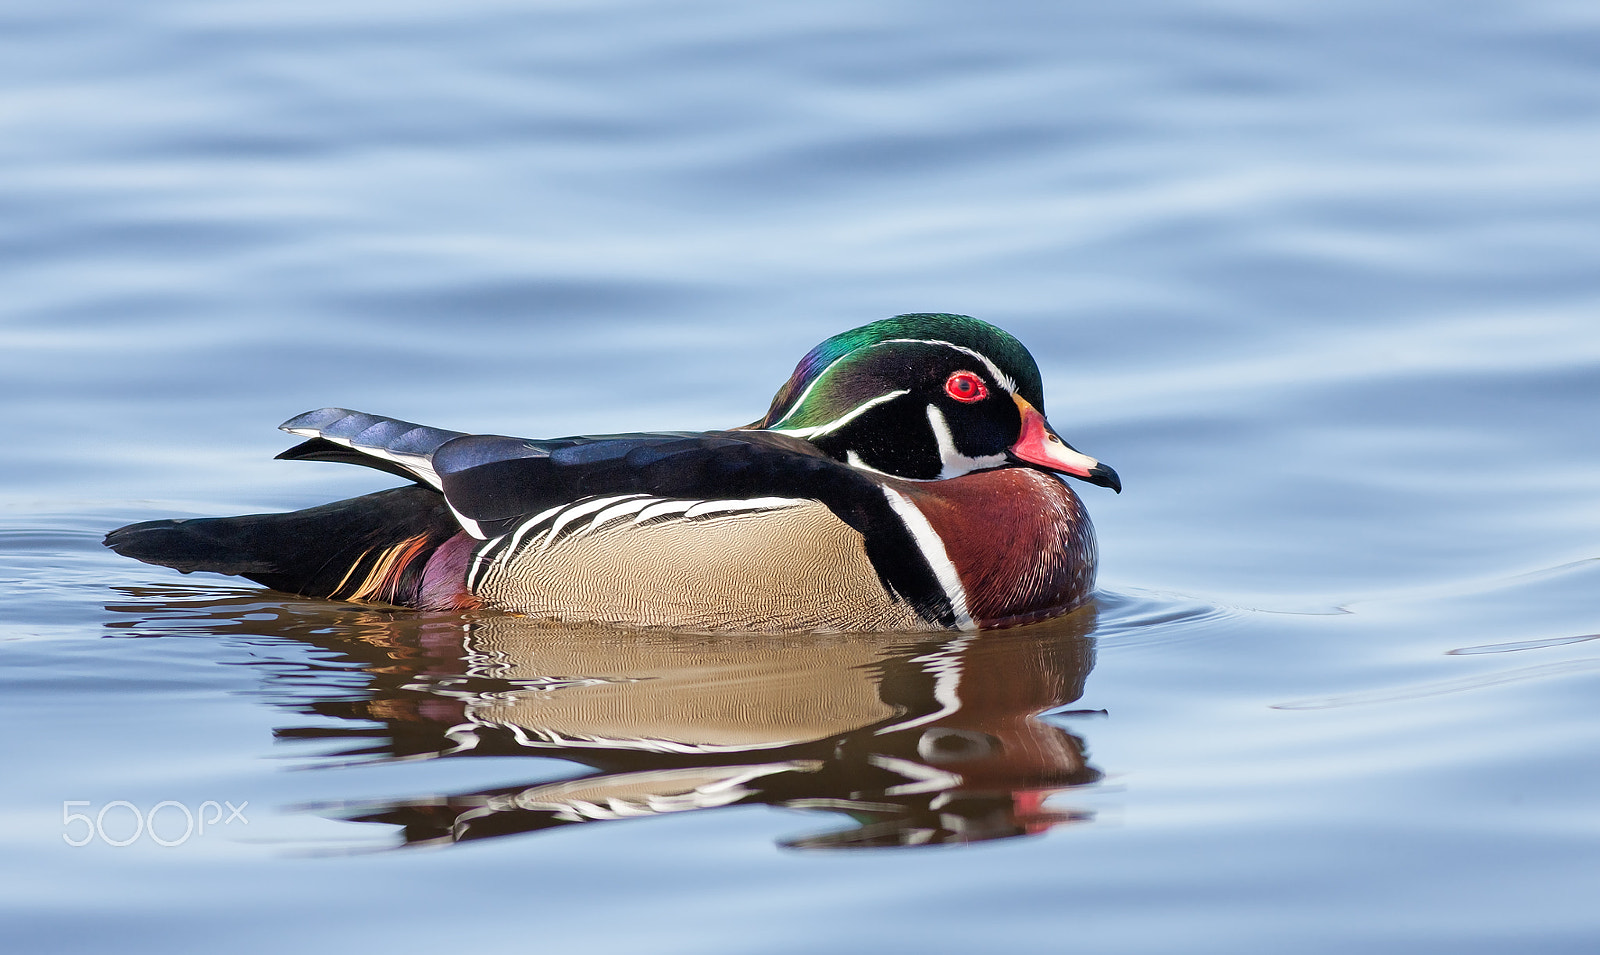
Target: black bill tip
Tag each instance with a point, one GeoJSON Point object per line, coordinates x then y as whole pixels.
{"type": "Point", "coordinates": [1105, 477]}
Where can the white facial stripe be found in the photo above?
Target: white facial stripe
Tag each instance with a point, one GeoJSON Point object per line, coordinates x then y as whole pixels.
{"type": "Point", "coordinates": [844, 419]}
{"type": "Point", "coordinates": [800, 401]}
{"type": "Point", "coordinates": [955, 463]}
{"type": "Point", "coordinates": [933, 552]}
{"type": "Point", "coordinates": [1005, 380]}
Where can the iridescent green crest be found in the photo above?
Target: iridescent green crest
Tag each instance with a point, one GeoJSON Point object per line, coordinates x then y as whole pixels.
{"type": "Point", "coordinates": [799, 405]}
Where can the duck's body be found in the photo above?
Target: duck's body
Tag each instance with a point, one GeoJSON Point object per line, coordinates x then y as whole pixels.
{"type": "Point", "coordinates": [897, 483]}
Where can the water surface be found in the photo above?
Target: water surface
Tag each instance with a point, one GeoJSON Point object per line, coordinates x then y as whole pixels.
{"type": "Point", "coordinates": [1320, 283]}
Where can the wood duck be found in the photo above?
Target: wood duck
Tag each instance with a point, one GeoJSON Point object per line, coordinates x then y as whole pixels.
{"type": "Point", "coordinates": [903, 479]}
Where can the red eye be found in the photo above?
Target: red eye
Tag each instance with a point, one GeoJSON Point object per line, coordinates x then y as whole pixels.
{"type": "Point", "coordinates": [965, 386]}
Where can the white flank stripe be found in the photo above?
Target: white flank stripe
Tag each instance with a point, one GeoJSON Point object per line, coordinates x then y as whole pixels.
{"type": "Point", "coordinates": [749, 504]}
{"type": "Point", "coordinates": [481, 559]}
{"type": "Point", "coordinates": [526, 527]}
{"type": "Point", "coordinates": [475, 571]}
{"type": "Point", "coordinates": [625, 509]}
{"type": "Point", "coordinates": [933, 551]}
{"type": "Point", "coordinates": [663, 507]}
{"type": "Point", "coordinates": [548, 525]}
{"type": "Point", "coordinates": [580, 510]}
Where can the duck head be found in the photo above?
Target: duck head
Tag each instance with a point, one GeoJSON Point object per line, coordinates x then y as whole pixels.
{"type": "Point", "coordinates": [926, 397]}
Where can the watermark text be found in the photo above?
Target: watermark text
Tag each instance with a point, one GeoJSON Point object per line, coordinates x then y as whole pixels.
{"type": "Point", "coordinates": [168, 823]}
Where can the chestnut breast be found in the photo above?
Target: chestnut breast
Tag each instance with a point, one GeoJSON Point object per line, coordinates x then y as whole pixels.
{"type": "Point", "coordinates": [1019, 539]}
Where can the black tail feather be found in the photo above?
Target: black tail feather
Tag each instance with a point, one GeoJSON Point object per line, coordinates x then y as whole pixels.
{"type": "Point", "coordinates": [370, 548]}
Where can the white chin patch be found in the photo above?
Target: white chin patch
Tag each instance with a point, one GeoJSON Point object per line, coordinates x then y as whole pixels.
{"type": "Point", "coordinates": [954, 463]}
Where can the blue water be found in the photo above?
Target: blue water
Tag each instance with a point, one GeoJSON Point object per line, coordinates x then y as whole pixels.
{"type": "Point", "coordinates": [1321, 283]}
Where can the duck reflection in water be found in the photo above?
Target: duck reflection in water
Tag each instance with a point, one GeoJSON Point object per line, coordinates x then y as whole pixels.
{"type": "Point", "coordinates": [920, 740]}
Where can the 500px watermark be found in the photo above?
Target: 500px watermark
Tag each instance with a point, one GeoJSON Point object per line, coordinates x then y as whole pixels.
{"type": "Point", "coordinates": [167, 823]}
